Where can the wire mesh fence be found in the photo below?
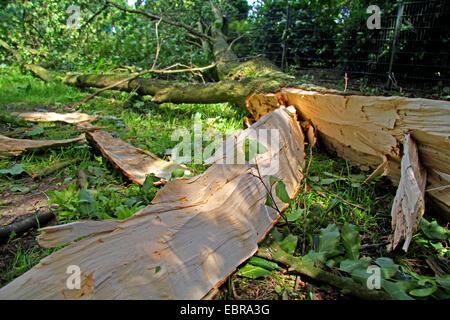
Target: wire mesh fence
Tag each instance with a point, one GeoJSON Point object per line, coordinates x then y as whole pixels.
{"type": "Point", "coordinates": [409, 49]}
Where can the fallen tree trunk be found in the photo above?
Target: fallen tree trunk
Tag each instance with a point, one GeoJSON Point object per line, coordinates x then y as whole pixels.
{"type": "Point", "coordinates": [192, 237]}
{"type": "Point", "coordinates": [366, 130]}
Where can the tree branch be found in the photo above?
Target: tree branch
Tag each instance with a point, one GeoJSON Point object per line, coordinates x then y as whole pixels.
{"type": "Point", "coordinates": [155, 17]}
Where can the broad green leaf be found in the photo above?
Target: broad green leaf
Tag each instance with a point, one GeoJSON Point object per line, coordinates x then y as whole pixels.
{"type": "Point", "coordinates": [253, 272]}
{"type": "Point", "coordinates": [312, 257]}
{"type": "Point", "coordinates": [429, 287]}
{"type": "Point", "coordinates": [350, 265]}
{"type": "Point", "coordinates": [273, 180]}
{"type": "Point", "coordinates": [177, 173]}
{"type": "Point", "coordinates": [444, 282]}
{"type": "Point", "coordinates": [432, 230]}
{"type": "Point", "coordinates": [269, 201]}
{"type": "Point", "coordinates": [395, 290]}
{"type": "Point", "coordinates": [329, 241]}
{"type": "Point", "coordinates": [148, 182]}
{"type": "Point", "coordinates": [14, 170]}
{"type": "Point", "coordinates": [263, 263]}
{"type": "Point", "coordinates": [33, 132]}
{"type": "Point", "coordinates": [294, 215]}
{"type": "Point", "coordinates": [23, 189]}
{"type": "Point", "coordinates": [351, 241]}
{"type": "Point", "coordinates": [277, 235]}
{"type": "Point", "coordinates": [289, 243]}
{"type": "Point", "coordinates": [388, 267]}
{"type": "Point", "coordinates": [280, 190]}
{"type": "Point", "coordinates": [86, 202]}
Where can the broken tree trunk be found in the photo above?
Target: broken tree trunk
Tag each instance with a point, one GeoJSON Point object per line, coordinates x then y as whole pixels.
{"type": "Point", "coordinates": [192, 237]}
{"type": "Point", "coordinates": [366, 130]}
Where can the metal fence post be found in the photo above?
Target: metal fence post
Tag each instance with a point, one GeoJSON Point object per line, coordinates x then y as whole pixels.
{"type": "Point", "coordinates": [398, 24]}
{"type": "Point", "coordinates": [286, 29]}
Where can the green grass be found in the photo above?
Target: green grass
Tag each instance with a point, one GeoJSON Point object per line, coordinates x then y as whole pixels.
{"type": "Point", "coordinates": [24, 91]}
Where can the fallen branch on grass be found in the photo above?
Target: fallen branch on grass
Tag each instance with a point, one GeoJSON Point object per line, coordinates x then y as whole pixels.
{"type": "Point", "coordinates": [275, 253]}
{"type": "Point", "coordinates": [19, 227]}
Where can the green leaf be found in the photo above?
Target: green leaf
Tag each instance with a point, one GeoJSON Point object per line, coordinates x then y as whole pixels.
{"type": "Point", "coordinates": [312, 257]}
{"type": "Point", "coordinates": [148, 183]}
{"type": "Point", "coordinates": [277, 235]}
{"type": "Point", "coordinates": [269, 201]}
{"type": "Point", "coordinates": [33, 132]}
{"type": "Point", "coordinates": [289, 243]}
{"type": "Point", "coordinates": [326, 181]}
{"type": "Point", "coordinates": [280, 190]}
{"type": "Point", "coordinates": [395, 290]}
{"type": "Point", "coordinates": [177, 173]}
{"type": "Point", "coordinates": [86, 202]}
{"type": "Point", "coordinates": [329, 241]}
{"type": "Point", "coordinates": [429, 288]}
{"type": "Point", "coordinates": [444, 282]}
{"type": "Point", "coordinates": [157, 269]}
{"type": "Point", "coordinates": [294, 215]}
{"type": "Point", "coordinates": [351, 241]}
{"type": "Point", "coordinates": [253, 272]}
{"type": "Point", "coordinates": [263, 263]}
{"type": "Point", "coordinates": [273, 180]}
{"type": "Point", "coordinates": [350, 265]}
{"type": "Point", "coordinates": [388, 267]}
{"type": "Point", "coordinates": [23, 189]}
{"type": "Point", "coordinates": [14, 170]}
{"type": "Point", "coordinates": [432, 230]}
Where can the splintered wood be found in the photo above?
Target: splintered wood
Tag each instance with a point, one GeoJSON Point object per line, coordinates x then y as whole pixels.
{"type": "Point", "coordinates": [192, 237]}
{"type": "Point", "coordinates": [367, 130]}
{"type": "Point", "coordinates": [73, 117]}
{"type": "Point", "coordinates": [10, 147]}
{"type": "Point", "coordinates": [135, 163]}
{"type": "Point", "coordinates": [409, 202]}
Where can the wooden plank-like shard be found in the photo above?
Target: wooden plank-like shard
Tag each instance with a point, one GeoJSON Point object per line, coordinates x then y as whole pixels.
{"type": "Point", "coordinates": [409, 201]}
{"type": "Point", "coordinates": [135, 163]}
{"type": "Point", "coordinates": [10, 147]}
{"type": "Point", "coordinates": [73, 117]}
{"type": "Point", "coordinates": [192, 237]}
